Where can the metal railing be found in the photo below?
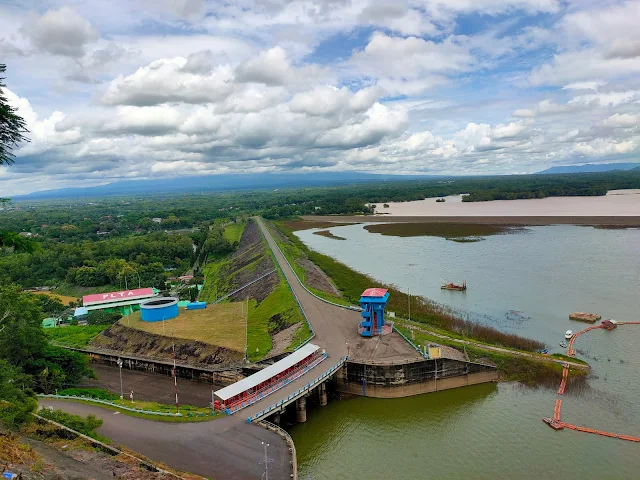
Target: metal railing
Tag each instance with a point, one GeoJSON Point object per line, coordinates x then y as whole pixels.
{"type": "Point", "coordinates": [424, 355]}
{"type": "Point", "coordinates": [149, 465]}
{"type": "Point", "coordinates": [298, 392]}
{"type": "Point", "coordinates": [245, 286]}
{"type": "Point", "coordinates": [292, 446]}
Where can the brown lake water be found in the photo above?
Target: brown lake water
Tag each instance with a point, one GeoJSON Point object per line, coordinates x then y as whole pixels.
{"type": "Point", "coordinates": [526, 283]}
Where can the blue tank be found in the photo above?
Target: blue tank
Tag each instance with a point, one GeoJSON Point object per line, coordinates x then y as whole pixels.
{"type": "Point", "coordinates": [159, 309]}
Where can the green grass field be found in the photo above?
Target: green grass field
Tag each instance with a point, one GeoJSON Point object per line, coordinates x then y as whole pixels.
{"type": "Point", "coordinates": [233, 232]}
{"type": "Point", "coordinates": [222, 325]}
{"type": "Point", "coordinates": [75, 335]}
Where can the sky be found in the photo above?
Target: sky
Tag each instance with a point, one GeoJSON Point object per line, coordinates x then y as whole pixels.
{"type": "Point", "coordinates": [137, 89]}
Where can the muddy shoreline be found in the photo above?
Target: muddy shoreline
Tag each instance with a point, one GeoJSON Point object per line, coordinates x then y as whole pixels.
{"type": "Point", "coordinates": [621, 221]}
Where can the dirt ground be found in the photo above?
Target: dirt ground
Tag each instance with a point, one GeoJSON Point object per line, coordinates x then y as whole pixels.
{"type": "Point", "coordinates": [129, 340]}
{"type": "Point", "coordinates": [69, 459]}
{"type": "Point", "coordinates": [316, 278]}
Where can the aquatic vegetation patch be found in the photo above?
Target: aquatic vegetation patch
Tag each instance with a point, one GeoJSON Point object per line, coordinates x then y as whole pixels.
{"type": "Point", "coordinates": [328, 234]}
{"type": "Point", "coordinates": [460, 232]}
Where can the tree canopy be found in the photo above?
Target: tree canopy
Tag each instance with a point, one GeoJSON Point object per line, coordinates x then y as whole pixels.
{"type": "Point", "coordinates": [12, 126]}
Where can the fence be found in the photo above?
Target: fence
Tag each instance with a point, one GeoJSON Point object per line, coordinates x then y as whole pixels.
{"type": "Point", "coordinates": [112, 404]}
{"type": "Point", "coordinates": [298, 392]}
{"type": "Point", "coordinates": [244, 286]}
{"type": "Point", "coordinates": [150, 466]}
{"type": "Point", "coordinates": [292, 447]}
{"type": "Point", "coordinates": [424, 355]}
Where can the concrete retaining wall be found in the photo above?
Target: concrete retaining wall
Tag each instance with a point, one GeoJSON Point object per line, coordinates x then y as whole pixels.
{"type": "Point", "coordinates": [395, 381]}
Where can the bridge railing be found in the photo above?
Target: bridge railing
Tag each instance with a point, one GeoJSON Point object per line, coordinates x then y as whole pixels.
{"type": "Point", "coordinates": [297, 393]}
{"type": "Point", "coordinates": [274, 388]}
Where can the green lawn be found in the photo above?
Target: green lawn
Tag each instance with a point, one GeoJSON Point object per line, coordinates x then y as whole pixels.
{"type": "Point", "coordinates": [189, 413]}
{"type": "Point", "coordinates": [75, 335]}
{"type": "Point", "coordinates": [233, 232]}
{"type": "Point", "coordinates": [279, 302]}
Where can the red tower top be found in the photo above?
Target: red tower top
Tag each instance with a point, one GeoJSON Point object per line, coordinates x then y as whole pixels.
{"type": "Point", "coordinates": [374, 292]}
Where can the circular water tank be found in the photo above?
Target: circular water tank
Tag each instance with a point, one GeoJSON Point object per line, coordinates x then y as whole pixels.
{"type": "Point", "coordinates": [158, 309]}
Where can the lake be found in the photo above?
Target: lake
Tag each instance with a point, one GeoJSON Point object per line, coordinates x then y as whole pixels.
{"type": "Point", "coordinates": [525, 283]}
{"type": "Point", "coordinates": [616, 202]}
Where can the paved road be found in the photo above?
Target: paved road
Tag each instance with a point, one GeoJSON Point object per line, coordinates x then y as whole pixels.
{"type": "Point", "coordinates": [223, 449]}
{"type": "Point", "coordinates": [334, 327]}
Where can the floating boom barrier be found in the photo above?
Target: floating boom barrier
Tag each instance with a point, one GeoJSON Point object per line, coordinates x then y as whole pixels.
{"type": "Point", "coordinates": [556, 423]}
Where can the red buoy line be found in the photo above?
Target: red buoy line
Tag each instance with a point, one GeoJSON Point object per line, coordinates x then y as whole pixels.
{"type": "Point", "coordinates": [556, 423]}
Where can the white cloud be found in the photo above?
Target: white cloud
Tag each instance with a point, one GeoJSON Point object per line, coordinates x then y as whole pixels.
{"type": "Point", "coordinates": [624, 120]}
{"type": "Point", "coordinates": [583, 86]}
{"type": "Point", "coordinates": [172, 88]}
{"type": "Point", "coordinates": [60, 32]}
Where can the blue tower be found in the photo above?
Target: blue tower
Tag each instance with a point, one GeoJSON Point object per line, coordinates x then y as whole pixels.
{"type": "Point", "coordinates": [373, 301]}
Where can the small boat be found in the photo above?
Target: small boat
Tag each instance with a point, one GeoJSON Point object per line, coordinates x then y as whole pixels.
{"type": "Point", "coordinates": [454, 286]}
{"type": "Point", "coordinates": [563, 344]}
{"type": "Point", "coordinates": [440, 200]}
{"type": "Point", "coordinates": [568, 335]}
{"type": "Point", "coordinates": [544, 351]}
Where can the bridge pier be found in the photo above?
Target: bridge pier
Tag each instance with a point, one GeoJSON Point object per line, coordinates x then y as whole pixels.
{"type": "Point", "coordinates": [301, 410]}
{"type": "Point", "coordinates": [322, 394]}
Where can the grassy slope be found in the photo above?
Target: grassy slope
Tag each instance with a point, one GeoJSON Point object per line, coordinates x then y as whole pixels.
{"type": "Point", "coordinates": [75, 336]}
{"type": "Point", "coordinates": [279, 302]}
{"type": "Point", "coordinates": [233, 232]}
{"type": "Point", "coordinates": [221, 324]}
{"type": "Point", "coordinates": [198, 414]}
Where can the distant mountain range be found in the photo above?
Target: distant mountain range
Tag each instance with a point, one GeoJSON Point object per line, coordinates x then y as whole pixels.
{"type": "Point", "coordinates": [592, 168]}
{"type": "Point", "coordinates": [213, 183]}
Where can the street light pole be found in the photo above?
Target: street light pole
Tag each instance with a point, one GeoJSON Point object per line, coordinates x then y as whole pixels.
{"type": "Point", "coordinates": [409, 302]}
{"type": "Point", "coordinates": [119, 362]}
{"type": "Point", "coordinates": [266, 462]}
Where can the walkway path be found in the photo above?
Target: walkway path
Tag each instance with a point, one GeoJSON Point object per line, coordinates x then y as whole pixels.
{"type": "Point", "coordinates": [226, 448]}
{"type": "Point", "coordinates": [556, 423]}
{"type": "Point", "coordinates": [532, 356]}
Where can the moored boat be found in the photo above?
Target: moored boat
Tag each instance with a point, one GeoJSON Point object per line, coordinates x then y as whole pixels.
{"type": "Point", "coordinates": [454, 286]}
{"type": "Point", "coordinates": [563, 344]}
{"type": "Point", "coordinates": [568, 335]}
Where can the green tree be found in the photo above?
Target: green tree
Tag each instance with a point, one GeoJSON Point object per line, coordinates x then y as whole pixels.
{"type": "Point", "coordinates": [17, 243]}
{"type": "Point", "coordinates": [12, 126]}
{"type": "Point", "coordinates": [17, 400]}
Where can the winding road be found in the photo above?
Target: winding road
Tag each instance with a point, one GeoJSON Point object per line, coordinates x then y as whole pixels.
{"type": "Point", "coordinates": [222, 449]}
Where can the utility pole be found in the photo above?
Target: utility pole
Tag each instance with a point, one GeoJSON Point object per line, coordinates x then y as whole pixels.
{"type": "Point", "coordinates": [175, 377]}
{"type": "Point", "coordinates": [265, 475]}
{"type": "Point", "coordinates": [246, 332]}
{"type": "Point", "coordinates": [409, 303]}
{"type": "Point", "coordinates": [119, 362]}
